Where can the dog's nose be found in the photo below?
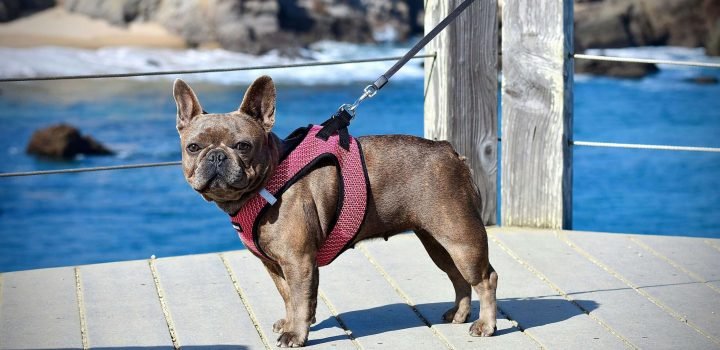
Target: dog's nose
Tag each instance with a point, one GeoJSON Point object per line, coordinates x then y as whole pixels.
{"type": "Point", "coordinates": [216, 157]}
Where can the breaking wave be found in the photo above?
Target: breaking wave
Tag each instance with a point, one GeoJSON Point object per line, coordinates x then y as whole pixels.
{"type": "Point", "coordinates": [50, 60]}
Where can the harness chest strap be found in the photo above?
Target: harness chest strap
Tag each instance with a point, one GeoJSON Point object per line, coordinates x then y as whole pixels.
{"type": "Point", "coordinates": [300, 161]}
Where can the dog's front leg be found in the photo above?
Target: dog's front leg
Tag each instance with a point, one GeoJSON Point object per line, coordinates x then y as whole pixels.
{"type": "Point", "coordinates": [302, 277]}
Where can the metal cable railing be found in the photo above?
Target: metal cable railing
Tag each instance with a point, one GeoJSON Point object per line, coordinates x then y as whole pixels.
{"type": "Point", "coordinates": [85, 170]}
{"type": "Point", "coordinates": [338, 62]}
{"type": "Point", "coordinates": [209, 70]}
{"type": "Point", "coordinates": [173, 72]}
{"type": "Point", "coordinates": [643, 146]}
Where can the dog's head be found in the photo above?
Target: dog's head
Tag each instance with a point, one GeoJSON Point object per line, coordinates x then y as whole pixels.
{"type": "Point", "coordinates": [227, 156]}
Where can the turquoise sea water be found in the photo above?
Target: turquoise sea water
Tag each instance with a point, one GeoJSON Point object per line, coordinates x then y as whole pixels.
{"type": "Point", "coordinates": [121, 215]}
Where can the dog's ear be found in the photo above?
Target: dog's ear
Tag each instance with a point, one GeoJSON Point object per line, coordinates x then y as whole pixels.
{"type": "Point", "coordinates": [259, 102]}
{"type": "Point", "coordinates": [187, 102]}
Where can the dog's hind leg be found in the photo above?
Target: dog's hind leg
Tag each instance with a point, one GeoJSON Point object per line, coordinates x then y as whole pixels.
{"type": "Point", "coordinates": [465, 241]}
{"type": "Point", "coordinates": [470, 254]}
{"type": "Point", "coordinates": [463, 293]}
{"type": "Point", "coordinates": [485, 326]}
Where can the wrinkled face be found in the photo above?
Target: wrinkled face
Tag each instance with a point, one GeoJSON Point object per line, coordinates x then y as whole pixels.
{"type": "Point", "coordinates": [226, 156]}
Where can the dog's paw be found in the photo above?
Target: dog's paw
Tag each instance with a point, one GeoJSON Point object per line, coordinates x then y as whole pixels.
{"type": "Point", "coordinates": [456, 316]}
{"type": "Point", "coordinates": [279, 325]}
{"type": "Point", "coordinates": [291, 340]}
{"type": "Point", "coordinates": [482, 329]}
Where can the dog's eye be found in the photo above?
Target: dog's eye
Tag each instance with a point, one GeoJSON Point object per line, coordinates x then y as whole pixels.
{"type": "Point", "coordinates": [193, 147]}
{"type": "Point", "coordinates": [243, 146]}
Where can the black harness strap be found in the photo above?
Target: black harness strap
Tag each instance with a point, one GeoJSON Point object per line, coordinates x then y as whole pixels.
{"type": "Point", "coordinates": [337, 123]}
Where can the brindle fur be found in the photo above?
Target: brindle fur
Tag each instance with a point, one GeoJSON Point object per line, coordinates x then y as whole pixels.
{"type": "Point", "coordinates": [415, 184]}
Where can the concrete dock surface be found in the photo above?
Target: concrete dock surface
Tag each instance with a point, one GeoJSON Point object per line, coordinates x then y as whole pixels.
{"type": "Point", "coordinates": [557, 290]}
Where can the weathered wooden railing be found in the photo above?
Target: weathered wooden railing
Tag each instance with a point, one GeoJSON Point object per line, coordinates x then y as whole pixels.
{"type": "Point", "coordinates": [461, 104]}
{"type": "Point", "coordinates": [537, 107]}
{"type": "Point", "coordinates": [537, 104]}
{"type": "Point", "coordinates": [461, 90]}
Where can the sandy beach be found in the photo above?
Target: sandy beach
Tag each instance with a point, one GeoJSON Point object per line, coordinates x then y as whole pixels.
{"type": "Point", "coordinates": [58, 27]}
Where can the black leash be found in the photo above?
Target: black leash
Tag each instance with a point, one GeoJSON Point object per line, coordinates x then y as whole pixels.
{"type": "Point", "coordinates": [339, 121]}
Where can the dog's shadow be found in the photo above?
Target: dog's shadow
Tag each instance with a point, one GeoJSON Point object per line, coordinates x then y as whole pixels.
{"type": "Point", "coordinates": [528, 312]}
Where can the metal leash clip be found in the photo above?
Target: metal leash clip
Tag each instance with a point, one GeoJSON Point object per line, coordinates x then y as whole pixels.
{"type": "Point", "coordinates": [368, 92]}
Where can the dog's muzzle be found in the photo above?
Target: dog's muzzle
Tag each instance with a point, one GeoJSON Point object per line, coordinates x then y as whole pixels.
{"type": "Point", "coordinates": [216, 157]}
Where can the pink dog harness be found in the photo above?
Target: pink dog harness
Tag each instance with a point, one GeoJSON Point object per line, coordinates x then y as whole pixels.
{"type": "Point", "coordinates": [352, 198]}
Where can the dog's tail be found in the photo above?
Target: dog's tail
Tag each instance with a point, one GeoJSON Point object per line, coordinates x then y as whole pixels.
{"type": "Point", "coordinates": [477, 193]}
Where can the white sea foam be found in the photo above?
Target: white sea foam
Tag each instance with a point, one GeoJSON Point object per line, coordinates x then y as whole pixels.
{"type": "Point", "coordinates": [660, 53]}
{"type": "Point", "coordinates": [669, 74]}
{"type": "Point", "coordinates": [47, 61]}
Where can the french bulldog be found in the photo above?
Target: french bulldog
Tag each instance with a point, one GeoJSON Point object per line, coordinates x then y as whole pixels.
{"type": "Point", "coordinates": [414, 185]}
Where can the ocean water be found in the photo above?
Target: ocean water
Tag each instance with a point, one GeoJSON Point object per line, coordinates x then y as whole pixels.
{"type": "Point", "coordinates": [72, 219]}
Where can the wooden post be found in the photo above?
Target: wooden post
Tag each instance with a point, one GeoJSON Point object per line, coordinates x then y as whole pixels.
{"type": "Point", "coordinates": [537, 105]}
{"type": "Point", "coordinates": [461, 90]}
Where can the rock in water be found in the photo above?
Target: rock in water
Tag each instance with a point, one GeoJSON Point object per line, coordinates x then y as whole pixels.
{"type": "Point", "coordinates": [64, 141]}
{"type": "Point", "coordinates": [615, 69]}
{"type": "Point", "coordinates": [704, 80]}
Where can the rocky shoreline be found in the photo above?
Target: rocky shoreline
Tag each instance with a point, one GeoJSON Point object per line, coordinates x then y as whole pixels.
{"type": "Point", "coordinates": [250, 26]}
{"type": "Point", "coordinates": [631, 23]}
{"type": "Point", "coordinates": [256, 26]}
